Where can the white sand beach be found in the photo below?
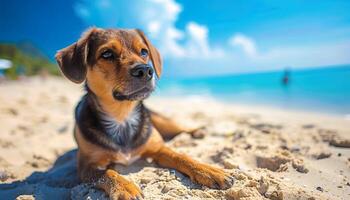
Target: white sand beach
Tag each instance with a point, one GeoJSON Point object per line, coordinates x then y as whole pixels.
{"type": "Point", "coordinates": [272, 153]}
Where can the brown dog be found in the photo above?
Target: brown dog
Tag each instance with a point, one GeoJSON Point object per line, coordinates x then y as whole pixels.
{"type": "Point", "coordinates": [112, 124]}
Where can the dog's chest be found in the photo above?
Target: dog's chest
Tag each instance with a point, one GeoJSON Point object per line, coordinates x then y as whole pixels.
{"type": "Point", "coordinates": [119, 158]}
{"type": "Point", "coordinates": [122, 133]}
{"type": "Point", "coordinates": [126, 158]}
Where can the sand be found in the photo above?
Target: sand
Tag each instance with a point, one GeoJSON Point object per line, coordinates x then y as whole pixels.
{"type": "Point", "coordinates": [272, 153]}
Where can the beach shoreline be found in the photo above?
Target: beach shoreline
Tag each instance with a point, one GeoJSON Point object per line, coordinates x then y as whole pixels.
{"type": "Point", "coordinates": [273, 153]}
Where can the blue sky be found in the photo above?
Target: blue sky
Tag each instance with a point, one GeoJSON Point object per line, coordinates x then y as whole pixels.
{"type": "Point", "coordinates": [197, 37]}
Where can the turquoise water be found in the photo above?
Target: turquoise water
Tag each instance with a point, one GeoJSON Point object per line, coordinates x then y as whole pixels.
{"type": "Point", "coordinates": [320, 89]}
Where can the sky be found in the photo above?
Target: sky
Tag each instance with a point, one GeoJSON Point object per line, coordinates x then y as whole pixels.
{"type": "Point", "coordinates": [197, 38]}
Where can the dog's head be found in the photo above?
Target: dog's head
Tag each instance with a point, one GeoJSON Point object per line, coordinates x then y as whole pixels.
{"type": "Point", "coordinates": [115, 63]}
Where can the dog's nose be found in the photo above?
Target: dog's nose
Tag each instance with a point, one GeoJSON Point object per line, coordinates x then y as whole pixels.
{"type": "Point", "coordinates": [142, 71]}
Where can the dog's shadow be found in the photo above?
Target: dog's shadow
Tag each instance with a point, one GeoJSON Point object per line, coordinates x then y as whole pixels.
{"type": "Point", "coordinates": [54, 183]}
{"type": "Point", "coordinates": [61, 181]}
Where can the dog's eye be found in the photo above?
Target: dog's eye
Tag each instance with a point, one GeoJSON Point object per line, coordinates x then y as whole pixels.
{"type": "Point", "coordinates": [144, 53]}
{"type": "Point", "coordinates": [108, 54]}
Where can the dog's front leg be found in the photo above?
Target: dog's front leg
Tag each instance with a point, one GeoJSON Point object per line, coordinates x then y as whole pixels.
{"type": "Point", "coordinates": [198, 172]}
{"type": "Point", "coordinates": [169, 128]}
{"type": "Point", "coordinates": [109, 180]}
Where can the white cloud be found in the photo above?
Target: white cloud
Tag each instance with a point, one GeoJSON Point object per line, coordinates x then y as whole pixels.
{"type": "Point", "coordinates": [247, 44]}
{"type": "Point", "coordinates": [198, 36]}
{"type": "Point", "coordinates": [153, 27]}
{"type": "Point", "coordinates": [197, 45]}
{"type": "Point", "coordinates": [157, 18]}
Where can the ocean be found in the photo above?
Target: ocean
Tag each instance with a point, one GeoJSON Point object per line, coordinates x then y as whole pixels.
{"type": "Point", "coordinates": [322, 89]}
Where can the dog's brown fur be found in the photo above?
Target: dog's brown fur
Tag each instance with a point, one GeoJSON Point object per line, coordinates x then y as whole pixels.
{"type": "Point", "coordinates": [81, 62]}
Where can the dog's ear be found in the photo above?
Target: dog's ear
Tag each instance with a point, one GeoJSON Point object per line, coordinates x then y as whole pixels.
{"type": "Point", "coordinates": [72, 60]}
{"type": "Point", "coordinates": [154, 54]}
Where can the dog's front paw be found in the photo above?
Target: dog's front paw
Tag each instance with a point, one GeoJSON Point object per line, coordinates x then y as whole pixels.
{"type": "Point", "coordinates": [126, 191]}
{"type": "Point", "coordinates": [119, 188]}
{"type": "Point", "coordinates": [199, 133]}
{"type": "Point", "coordinates": [211, 177]}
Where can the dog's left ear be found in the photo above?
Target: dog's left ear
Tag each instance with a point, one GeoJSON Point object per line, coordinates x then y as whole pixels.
{"type": "Point", "coordinates": [72, 60]}
{"type": "Point", "coordinates": [154, 54]}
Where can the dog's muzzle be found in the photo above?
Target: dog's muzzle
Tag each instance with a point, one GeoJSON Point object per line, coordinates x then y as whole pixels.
{"type": "Point", "coordinates": [140, 86]}
{"type": "Point", "coordinates": [143, 72]}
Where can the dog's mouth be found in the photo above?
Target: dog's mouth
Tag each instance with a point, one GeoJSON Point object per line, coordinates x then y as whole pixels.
{"type": "Point", "coordinates": [138, 94]}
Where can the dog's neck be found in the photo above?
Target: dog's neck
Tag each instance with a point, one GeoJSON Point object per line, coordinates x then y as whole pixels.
{"type": "Point", "coordinates": [118, 110]}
